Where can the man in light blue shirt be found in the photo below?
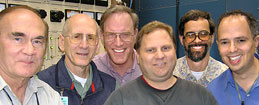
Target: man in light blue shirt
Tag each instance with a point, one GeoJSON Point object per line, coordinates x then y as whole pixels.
{"type": "Point", "coordinates": [237, 42]}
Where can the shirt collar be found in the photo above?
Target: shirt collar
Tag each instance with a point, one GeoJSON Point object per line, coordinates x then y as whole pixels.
{"type": "Point", "coordinates": [3, 84]}
{"type": "Point", "coordinates": [134, 67]}
{"type": "Point", "coordinates": [230, 80]}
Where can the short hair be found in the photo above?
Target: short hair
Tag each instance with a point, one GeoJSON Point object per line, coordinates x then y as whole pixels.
{"type": "Point", "coordinates": [249, 19]}
{"type": "Point", "coordinates": [152, 26]}
{"type": "Point", "coordinates": [194, 15]}
{"type": "Point", "coordinates": [12, 9]}
{"type": "Point", "coordinates": [119, 9]}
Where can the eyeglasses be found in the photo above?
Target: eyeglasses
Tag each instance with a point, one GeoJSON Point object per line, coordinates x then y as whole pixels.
{"type": "Point", "coordinates": [92, 39]}
{"type": "Point", "coordinates": [125, 36]}
{"type": "Point", "coordinates": [191, 36]}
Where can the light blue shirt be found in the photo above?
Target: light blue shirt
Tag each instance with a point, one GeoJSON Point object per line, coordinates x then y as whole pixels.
{"type": "Point", "coordinates": [224, 90]}
{"type": "Point", "coordinates": [45, 94]}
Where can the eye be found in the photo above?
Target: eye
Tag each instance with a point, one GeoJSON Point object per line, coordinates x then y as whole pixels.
{"type": "Point", "coordinates": [223, 42]}
{"type": "Point", "coordinates": [166, 48]}
{"type": "Point", "coordinates": [91, 36]}
{"type": "Point", "coordinates": [76, 36]}
{"type": "Point", "coordinates": [204, 33]}
{"type": "Point", "coordinates": [190, 34]}
{"type": "Point", "coordinates": [38, 41]}
{"type": "Point", "coordinates": [18, 39]}
{"type": "Point", "coordinates": [241, 40]}
{"type": "Point", "coordinates": [151, 50]}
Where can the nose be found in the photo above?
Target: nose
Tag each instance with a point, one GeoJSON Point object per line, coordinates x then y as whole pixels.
{"type": "Point", "coordinates": [118, 41]}
{"type": "Point", "coordinates": [84, 42]}
{"type": "Point", "coordinates": [233, 47]}
{"type": "Point", "coordinates": [160, 54]}
{"type": "Point", "coordinates": [197, 39]}
{"type": "Point", "coordinates": [29, 49]}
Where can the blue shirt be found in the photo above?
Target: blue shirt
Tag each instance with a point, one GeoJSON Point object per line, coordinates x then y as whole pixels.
{"type": "Point", "coordinates": [224, 90]}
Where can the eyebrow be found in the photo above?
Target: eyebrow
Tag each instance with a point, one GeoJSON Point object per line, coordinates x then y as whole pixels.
{"type": "Point", "coordinates": [241, 37]}
{"type": "Point", "coordinates": [20, 34]}
{"type": "Point", "coordinates": [40, 37]}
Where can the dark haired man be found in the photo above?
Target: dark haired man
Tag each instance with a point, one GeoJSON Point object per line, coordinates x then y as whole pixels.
{"type": "Point", "coordinates": [197, 35]}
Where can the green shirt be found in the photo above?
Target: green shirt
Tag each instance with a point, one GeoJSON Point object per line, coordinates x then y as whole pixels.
{"type": "Point", "coordinates": [82, 90]}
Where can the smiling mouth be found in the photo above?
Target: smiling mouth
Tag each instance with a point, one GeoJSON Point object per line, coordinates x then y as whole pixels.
{"type": "Point", "coordinates": [119, 51]}
{"type": "Point", "coordinates": [197, 47]}
{"type": "Point", "coordinates": [82, 54]}
{"type": "Point", "coordinates": [160, 65]}
{"type": "Point", "coordinates": [234, 59]}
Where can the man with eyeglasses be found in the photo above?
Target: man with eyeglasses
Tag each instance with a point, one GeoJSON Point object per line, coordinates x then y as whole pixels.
{"type": "Point", "coordinates": [119, 28]}
{"type": "Point", "coordinates": [23, 42]}
{"type": "Point", "coordinates": [75, 76]}
{"type": "Point", "coordinates": [196, 31]}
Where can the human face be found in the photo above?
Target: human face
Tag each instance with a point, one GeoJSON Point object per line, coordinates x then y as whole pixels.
{"type": "Point", "coordinates": [120, 51]}
{"type": "Point", "coordinates": [198, 49]}
{"type": "Point", "coordinates": [235, 43]}
{"type": "Point", "coordinates": [78, 54]}
{"type": "Point", "coordinates": [22, 44]}
{"type": "Point", "coordinates": [157, 57]}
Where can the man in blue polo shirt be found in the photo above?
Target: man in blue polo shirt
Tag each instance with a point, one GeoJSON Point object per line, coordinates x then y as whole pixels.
{"type": "Point", "coordinates": [237, 42]}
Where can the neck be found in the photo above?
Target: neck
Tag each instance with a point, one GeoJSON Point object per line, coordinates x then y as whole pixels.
{"type": "Point", "coordinates": [17, 85]}
{"type": "Point", "coordinates": [81, 71]}
{"type": "Point", "coordinates": [161, 85]}
{"type": "Point", "coordinates": [125, 67]}
{"type": "Point", "coordinates": [198, 66]}
{"type": "Point", "coordinates": [247, 78]}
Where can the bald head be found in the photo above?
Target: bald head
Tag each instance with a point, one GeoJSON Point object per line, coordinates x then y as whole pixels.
{"type": "Point", "coordinates": [79, 20]}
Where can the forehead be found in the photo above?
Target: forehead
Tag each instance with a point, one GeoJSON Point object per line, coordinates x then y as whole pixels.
{"type": "Point", "coordinates": [200, 24]}
{"type": "Point", "coordinates": [82, 25]}
{"type": "Point", "coordinates": [118, 21]}
{"type": "Point", "coordinates": [234, 26]}
{"type": "Point", "coordinates": [22, 20]}
{"type": "Point", "coordinates": [158, 37]}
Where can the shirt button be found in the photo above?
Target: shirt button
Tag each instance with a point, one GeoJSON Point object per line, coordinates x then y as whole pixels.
{"type": "Point", "coordinates": [248, 95]}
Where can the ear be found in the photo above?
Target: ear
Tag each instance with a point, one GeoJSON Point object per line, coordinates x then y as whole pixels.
{"type": "Point", "coordinates": [102, 36]}
{"type": "Point", "coordinates": [97, 49]}
{"type": "Point", "coordinates": [135, 35]}
{"type": "Point", "coordinates": [212, 38]}
{"type": "Point", "coordinates": [137, 55]}
{"type": "Point", "coordinates": [181, 39]}
{"type": "Point", "coordinates": [61, 42]}
{"type": "Point", "coordinates": [257, 41]}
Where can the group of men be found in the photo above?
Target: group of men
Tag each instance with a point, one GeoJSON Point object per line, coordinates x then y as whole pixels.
{"type": "Point", "coordinates": [138, 68]}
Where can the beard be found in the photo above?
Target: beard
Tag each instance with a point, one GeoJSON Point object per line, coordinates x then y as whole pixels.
{"type": "Point", "coordinates": [196, 56]}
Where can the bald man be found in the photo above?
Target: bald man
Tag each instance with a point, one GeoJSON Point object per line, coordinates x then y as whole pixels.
{"type": "Point", "coordinates": [75, 76]}
{"type": "Point", "coordinates": [23, 41]}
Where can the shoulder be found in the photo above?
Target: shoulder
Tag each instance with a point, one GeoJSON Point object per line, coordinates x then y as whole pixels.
{"type": "Point", "coordinates": [219, 83]}
{"type": "Point", "coordinates": [44, 90]}
{"type": "Point", "coordinates": [47, 73]}
{"type": "Point", "coordinates": [189, 87]}
{"type": "Point", "coordinates": [196, 93]}
{"type": "Point", "coordinates": [180, 67]}
{"type": "Point", "coordinates": [217, 64]}
{"type": "Point", "coordinates": [100, 57]}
